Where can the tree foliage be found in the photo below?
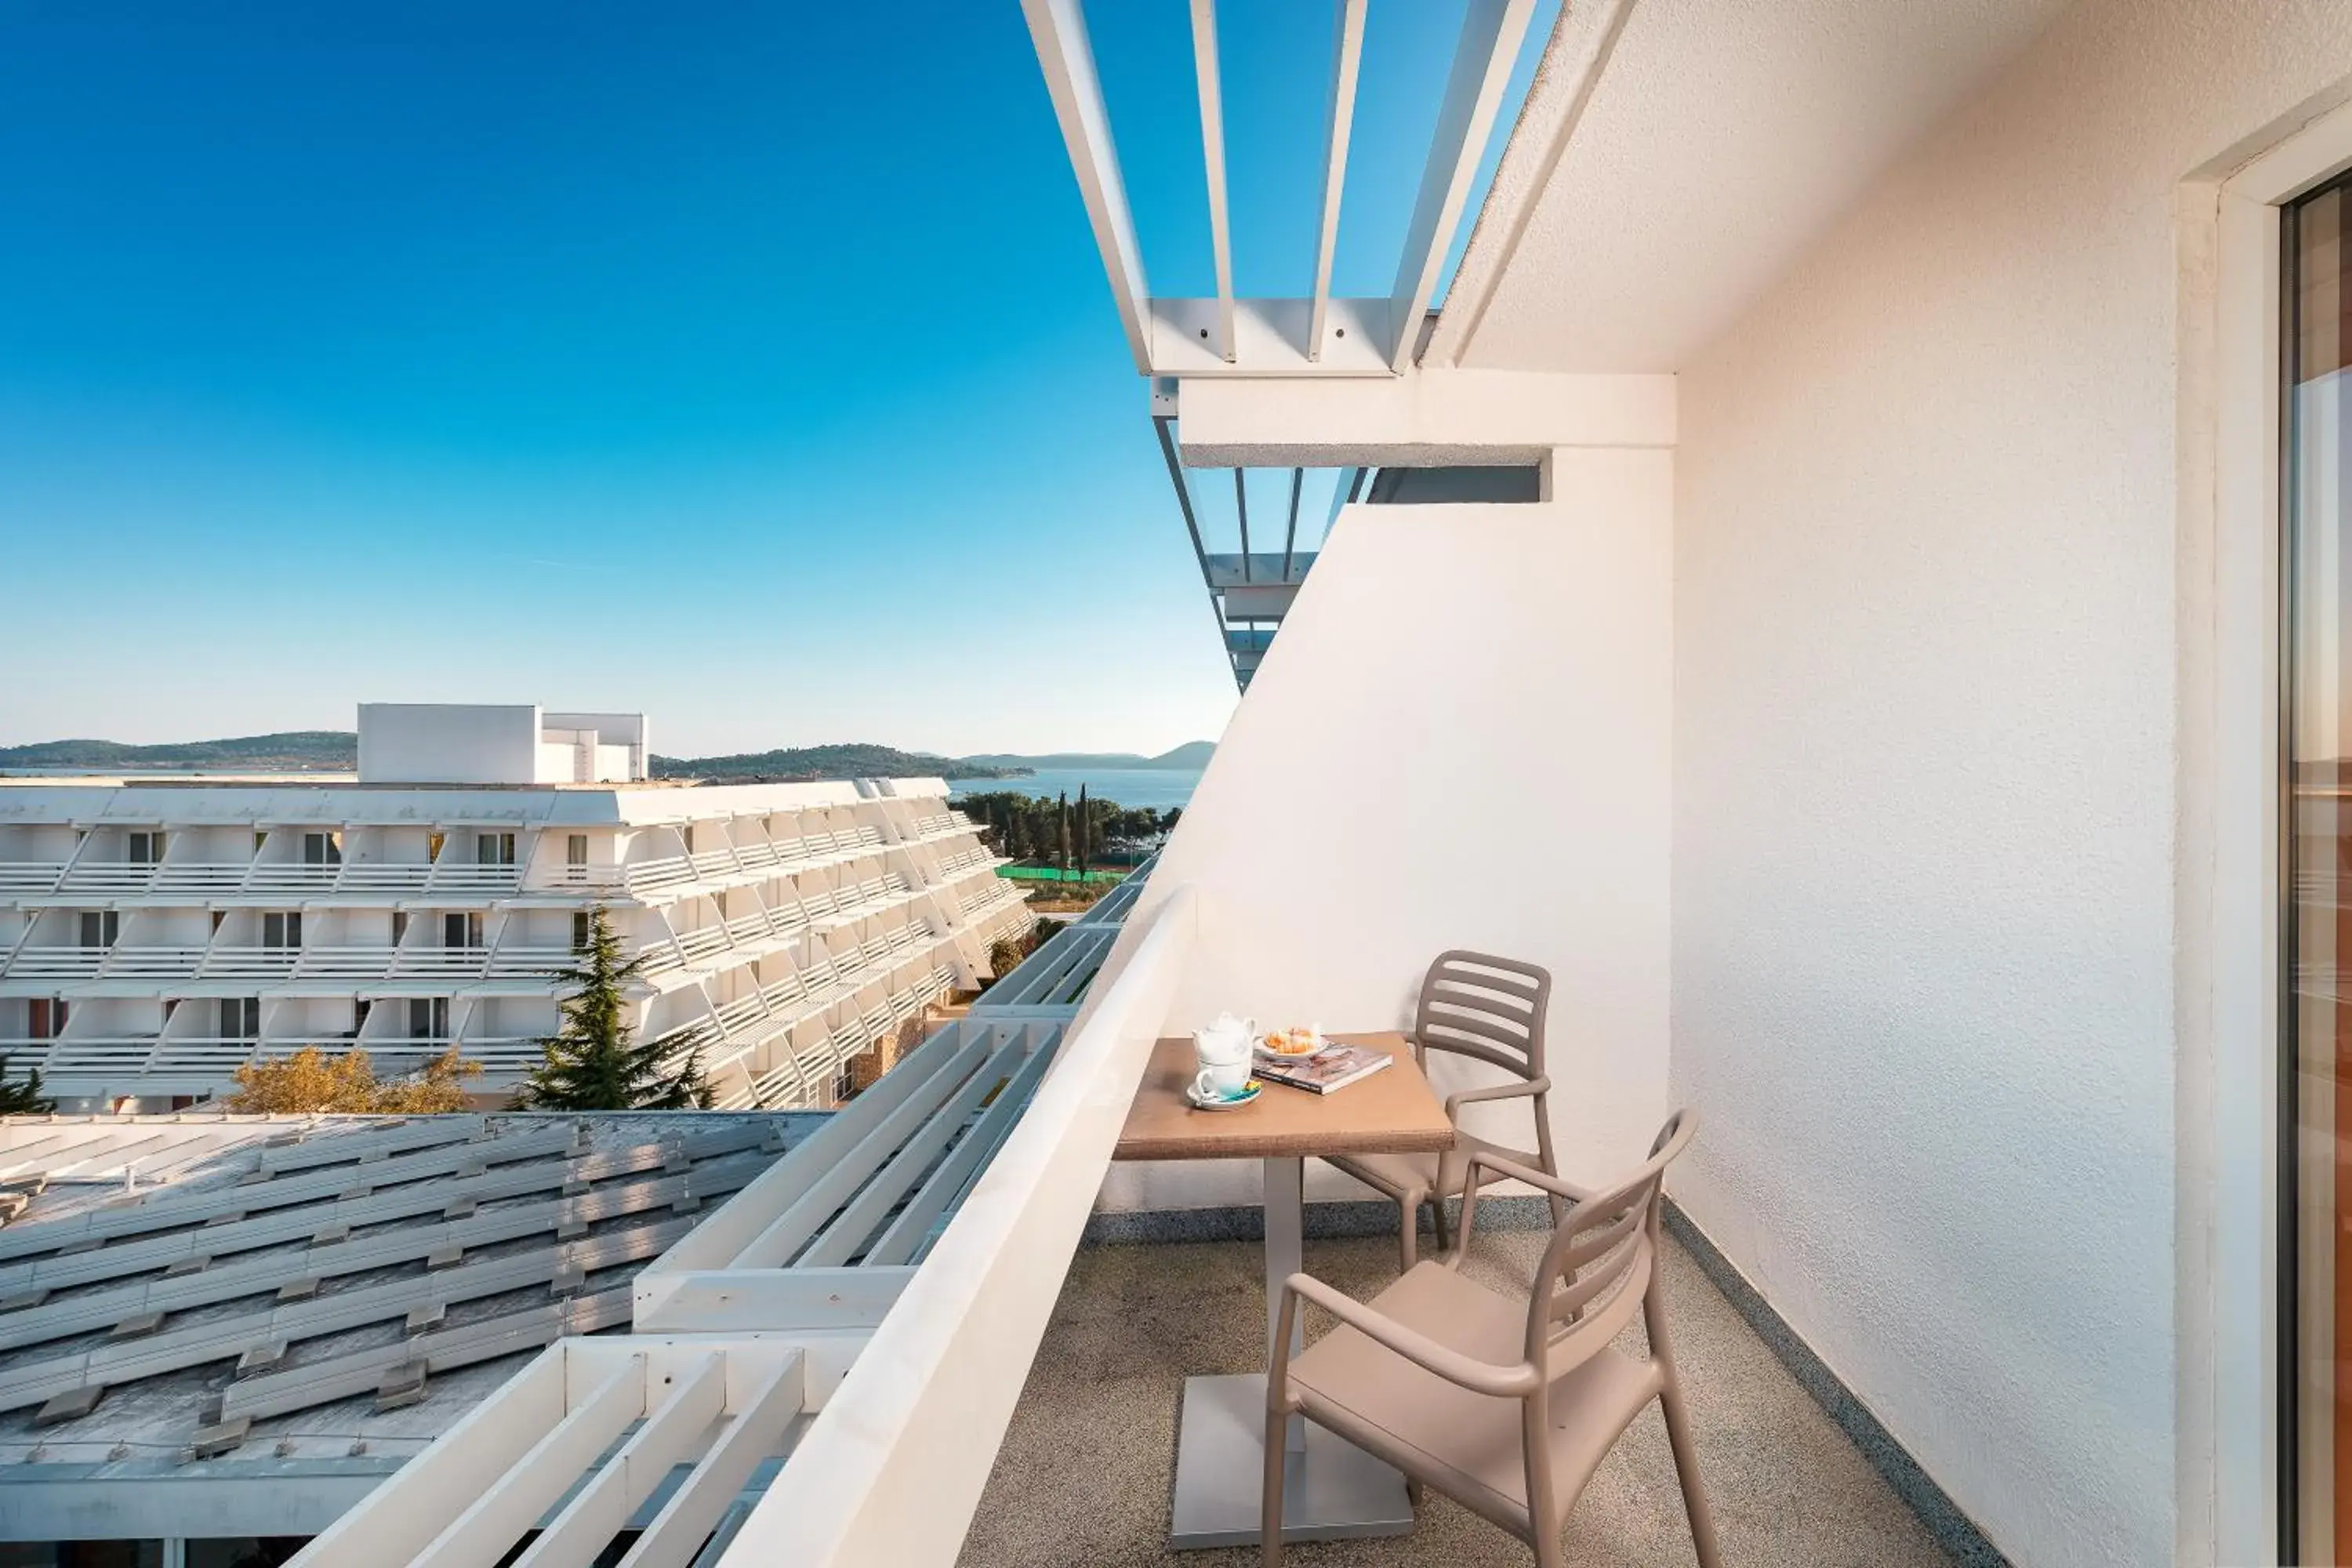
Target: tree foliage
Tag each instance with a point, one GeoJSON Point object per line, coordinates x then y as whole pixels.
{"type": "Point", "coordinates": [1029, 827]}
{"type": "Point", "coordinates": [1005, 954]}
{"type": "Point", "coordinates": [593, 1064]}
{"type": "Point", "coordinates": [311, 1081]}
{"type": "Point", "coordinates": [24, 1098]}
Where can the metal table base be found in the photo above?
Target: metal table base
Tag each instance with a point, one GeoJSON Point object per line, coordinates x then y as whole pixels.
{"type": "Point", "coordinates": [1332, 1490]}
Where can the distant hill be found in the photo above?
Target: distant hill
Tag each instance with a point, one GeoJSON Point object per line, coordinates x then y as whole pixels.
{"type": "Point", "coordinates": [1189, 757]}
{"type": "Point", "coordinates": [851, 760]}
{"type": "Point", "coordinates": [299, 751]}
{"type": "Point", "coordinates": [337, 750]}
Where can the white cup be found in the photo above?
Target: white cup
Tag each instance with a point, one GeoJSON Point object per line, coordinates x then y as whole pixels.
{"type": "Point", "coordinates": [1220, 1080]}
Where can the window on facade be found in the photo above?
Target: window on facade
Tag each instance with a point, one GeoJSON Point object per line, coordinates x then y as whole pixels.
{"type": "Point", "coordinates": [433, 843]}
{"type": "Point", "coordinates": [429, 1017]}
{"type": "Point", "coordinates": [100, 927]}
{"type": "Point", "coordinates": [575, 851]}
{"type": "Point", "coordinates": [146, 848]}
{"type": "Point", "coordinates": [399, 926]}
{"type": "Point", "coordinates": [359, 1006]}
{"type": "Point", "coordinates": [45, 1018]}
{"type": "Point", "coordinates": [240, 1017]}
{"type": "Point", "coordinates": [260, 839]}
{"type": "Point", "coordinates": [281, 931]}
{"type": "Point", "coordinates": [461, 929]}
{"type": "Point", "coordinates": [322, 848]}
{"type": "Point", "coordinates": [494, 848]}
{"type": "Point", "coordinates": [218, 916]}
{"type": "Point", "coordinates": [2317, 402]}
{"type": "Point", "coordinates": [579, 925]}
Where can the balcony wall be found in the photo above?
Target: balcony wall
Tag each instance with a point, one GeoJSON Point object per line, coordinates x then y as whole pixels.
{"type": "Point", "coordinates": [1460, 740]}
{"type": "Point", "coordinates": [1937, 645]}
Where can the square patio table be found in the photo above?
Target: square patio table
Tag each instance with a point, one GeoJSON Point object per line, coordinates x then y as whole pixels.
{"type": "Point", "coordinates": [1333, 1490]}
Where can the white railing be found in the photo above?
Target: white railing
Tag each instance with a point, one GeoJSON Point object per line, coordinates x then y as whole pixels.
{"type": "Point", "coordinates": [266, 879]}
{"type": "Point", "coordinates": [54, 962]}
{"type": "Point", "coordinates": [892, 1469]}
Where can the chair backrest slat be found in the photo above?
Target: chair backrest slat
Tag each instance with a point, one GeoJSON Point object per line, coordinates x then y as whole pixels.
{"type": "Point", "coordinates": [1492, 1008]}
{"type": "Point", "coordinates": [1603, 1253]}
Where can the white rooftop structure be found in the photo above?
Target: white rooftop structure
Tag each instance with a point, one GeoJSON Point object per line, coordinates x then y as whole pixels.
{"type": "Point", "coordinates": [452, 744]}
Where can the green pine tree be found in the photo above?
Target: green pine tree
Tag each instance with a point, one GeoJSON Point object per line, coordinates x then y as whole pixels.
{"type": "Point", "coordinates": [24, 1098]}
{"type": "Point", "coordinates": [593, 1064]}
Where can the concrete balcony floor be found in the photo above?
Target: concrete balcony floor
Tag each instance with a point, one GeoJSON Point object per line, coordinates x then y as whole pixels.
{"type": "Point", "coordinates": [1083, 1477]}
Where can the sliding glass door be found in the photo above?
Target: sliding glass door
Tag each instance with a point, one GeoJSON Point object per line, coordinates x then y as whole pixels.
{"type": "Point", "coordinates": [2316, 345]}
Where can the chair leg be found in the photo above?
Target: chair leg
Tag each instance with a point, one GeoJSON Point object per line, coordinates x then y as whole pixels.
{"type": "Point", "coordinates": [1685, 1447]}
{"type": "Point", "coordinates": [1409, 1230]}
{"type": "Point", "coordinates": [1437, 1211]}
{"type": "Point", "coordinates": [1278, 1434]}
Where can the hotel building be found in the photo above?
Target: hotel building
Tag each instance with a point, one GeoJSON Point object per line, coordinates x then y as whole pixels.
{"type": "Point", "coordinates": [157, 934]}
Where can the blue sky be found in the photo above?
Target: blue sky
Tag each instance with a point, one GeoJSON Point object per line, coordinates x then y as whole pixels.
{"type": "Point", "coordinates": [750, 364]}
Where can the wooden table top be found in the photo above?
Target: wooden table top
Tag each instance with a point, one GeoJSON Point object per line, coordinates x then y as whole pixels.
{"type": "Point", "coordinates": [1394, 1111]}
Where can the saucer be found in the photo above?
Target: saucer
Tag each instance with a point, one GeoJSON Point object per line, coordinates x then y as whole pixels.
{"type": "Point", "coordinates": [1219, 1102]}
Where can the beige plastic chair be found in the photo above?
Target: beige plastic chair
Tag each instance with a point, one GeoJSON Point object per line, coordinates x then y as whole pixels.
{"type": "Point", "coordinates": [1490, 1009]}
{"type": "Point", "coordinates": [1506, 1406]}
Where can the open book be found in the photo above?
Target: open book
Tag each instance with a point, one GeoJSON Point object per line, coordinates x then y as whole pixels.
{"type": "Point", "coordinates": [1334, 1067]}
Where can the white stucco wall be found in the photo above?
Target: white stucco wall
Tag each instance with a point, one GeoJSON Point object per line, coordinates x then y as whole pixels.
{"type": "Point", "coordinates": [450, 742]}
{"type": "Point", "coordinates": [1925, 743]}
{"type": "Point", "coordinates": [1460, 739]}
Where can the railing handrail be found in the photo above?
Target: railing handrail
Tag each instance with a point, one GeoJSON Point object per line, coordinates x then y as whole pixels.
{"type": "Point", "coordinates": [892, 1469]}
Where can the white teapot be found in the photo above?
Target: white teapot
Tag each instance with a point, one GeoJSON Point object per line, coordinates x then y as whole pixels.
{"type": "Point", "coordinates": [1225, 1040]}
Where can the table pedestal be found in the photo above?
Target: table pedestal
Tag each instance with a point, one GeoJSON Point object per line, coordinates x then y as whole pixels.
{"type": "Point", "coordinates": [1331, 1489]}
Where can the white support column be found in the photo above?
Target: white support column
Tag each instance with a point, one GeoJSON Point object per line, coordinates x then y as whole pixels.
{"type": "Point", "coordinates": [1473, 94]}
{"type": "Point", "coordinates": [1213, 158]}
{"type": "Point", "coordinates": [1337, 126]}
{"type": "Point", "coordinates": [1058, 30]}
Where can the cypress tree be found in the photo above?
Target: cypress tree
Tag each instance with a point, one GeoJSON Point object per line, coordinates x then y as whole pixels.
{"type": "Point", "coordinates": [1085, 826]}
{"type": "Point", "coordinates": [592, 1064]}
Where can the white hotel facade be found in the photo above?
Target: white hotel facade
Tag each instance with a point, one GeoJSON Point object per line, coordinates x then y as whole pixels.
{"type": "Point", "coordinates": [155, 935]}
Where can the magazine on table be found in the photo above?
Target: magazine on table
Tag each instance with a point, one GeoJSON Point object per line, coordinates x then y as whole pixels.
{"type": "Point", "coordinates": [1335, 1066]}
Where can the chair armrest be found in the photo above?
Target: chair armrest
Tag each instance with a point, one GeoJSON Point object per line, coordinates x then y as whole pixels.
{"type": "Point", "coordinates": [1487, 1158]}
{"type": "Point", "coordinates": [1468, 1372]}
{"type": "Point", "coordinates": [1542, 1181]}
{"type": "Point", "coordinates": [1494, 1091]}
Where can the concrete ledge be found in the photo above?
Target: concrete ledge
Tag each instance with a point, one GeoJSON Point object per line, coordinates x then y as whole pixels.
{"type": "Point", "coordinates": [1954, 1530]}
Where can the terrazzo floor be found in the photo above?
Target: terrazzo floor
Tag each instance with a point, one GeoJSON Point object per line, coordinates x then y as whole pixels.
{"type": "Point", "coordinates": [1082, 1479]}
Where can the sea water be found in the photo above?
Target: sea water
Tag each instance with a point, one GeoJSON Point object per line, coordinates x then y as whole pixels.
{"type": "Point", "coordinates": [1158, 788]}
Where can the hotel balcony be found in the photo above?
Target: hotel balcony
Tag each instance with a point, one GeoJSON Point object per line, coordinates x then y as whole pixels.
{"type": "Point", "coordinates": [1859, 542]}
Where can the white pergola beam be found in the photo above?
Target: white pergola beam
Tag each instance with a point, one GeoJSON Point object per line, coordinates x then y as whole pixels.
{"type": "Point", "coordinates": [489, 1439]}
{"type": "Point", "coordinates": [1574, 60]}
{"type": "Point", "coordinates": [778, 1299]}
{"type": "Point", "coordinates": [1423, 418]}
{"type": "Point", "coordinates": [489, 1527]}
{"type": "Point", "coordinates": [1058, 30]}
{"type": "Point", "coordinates": [1473, 94]}
{"type": "Point", "coordinates": [601, 1510]}
{"type": "Point", "coordinates": [1213, 158]}
{"type": "Point", "coordinates": [755, 1431]}
{"type": "Point", "coordinates": [1337, 126]}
